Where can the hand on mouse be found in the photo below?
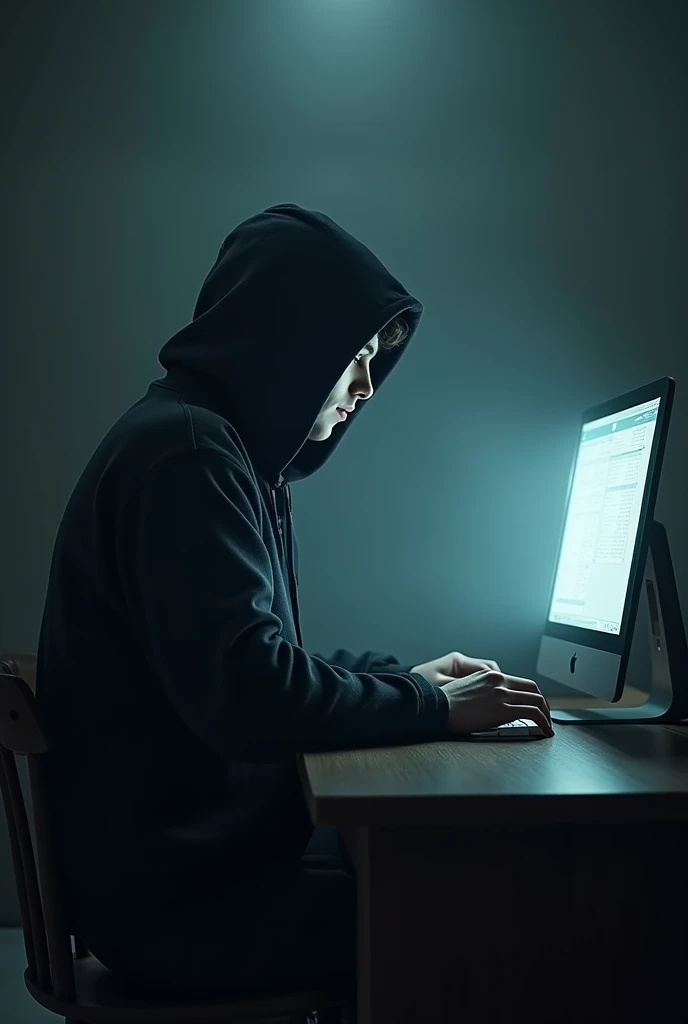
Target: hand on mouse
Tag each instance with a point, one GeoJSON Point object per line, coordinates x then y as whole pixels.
{"type": "Point", "coordinates": [488, 698]}
{"type": "Point", "coordinates": [480, 695]}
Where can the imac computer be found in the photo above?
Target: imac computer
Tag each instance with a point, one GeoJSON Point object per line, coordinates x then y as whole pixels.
{"type": "Point", "coordinates": [611, 551]}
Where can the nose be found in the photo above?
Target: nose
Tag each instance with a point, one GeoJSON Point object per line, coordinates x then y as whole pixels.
{"type": "Point", "coordinates": [363, 385]}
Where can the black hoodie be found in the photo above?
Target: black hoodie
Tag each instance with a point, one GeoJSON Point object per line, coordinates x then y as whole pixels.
{"type": "Point", "coordinates": [171, 667]}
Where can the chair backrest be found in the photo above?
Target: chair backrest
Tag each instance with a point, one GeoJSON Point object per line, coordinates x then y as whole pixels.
{"type": "Point", "coordinates": [47, 941]}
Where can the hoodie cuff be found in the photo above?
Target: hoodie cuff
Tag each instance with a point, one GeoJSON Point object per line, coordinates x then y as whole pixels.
{"type": "Point", "coordinates": [434, 708]}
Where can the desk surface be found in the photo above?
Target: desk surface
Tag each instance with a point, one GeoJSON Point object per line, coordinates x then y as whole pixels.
{"type": "Point", "coordinates": [595, 773]}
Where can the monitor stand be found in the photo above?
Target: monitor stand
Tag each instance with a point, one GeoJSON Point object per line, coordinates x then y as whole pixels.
{"type": "Point", "coordinates": [667, 699]}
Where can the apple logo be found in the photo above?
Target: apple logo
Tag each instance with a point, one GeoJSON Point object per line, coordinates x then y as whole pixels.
{"type": "Point", "coordinates": [572, 663]}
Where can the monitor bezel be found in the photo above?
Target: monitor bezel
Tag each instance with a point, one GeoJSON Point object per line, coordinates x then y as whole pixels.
{"type": "Point", "coordinates": [620, 643]}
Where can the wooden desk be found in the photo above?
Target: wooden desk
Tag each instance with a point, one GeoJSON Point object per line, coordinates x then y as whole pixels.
{"type": "Point", "coordinates": [542, 881]}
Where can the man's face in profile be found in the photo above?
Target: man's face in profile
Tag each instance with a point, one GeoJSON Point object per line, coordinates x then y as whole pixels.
{"type": "Point", "coordinates": [353, 385]}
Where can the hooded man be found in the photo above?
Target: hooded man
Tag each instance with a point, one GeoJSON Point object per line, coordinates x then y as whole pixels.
{"type": "Point", "coordinates": [171, 667]}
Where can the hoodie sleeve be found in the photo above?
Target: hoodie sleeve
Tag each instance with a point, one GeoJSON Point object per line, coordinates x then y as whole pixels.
{"type": "Point", "coordinates": [369, 661]}
{"type": "Point", "coordinates": [197, 583]}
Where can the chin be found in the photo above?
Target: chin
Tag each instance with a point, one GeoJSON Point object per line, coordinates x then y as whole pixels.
{"type": "Point", "coordinates": [320, 434]}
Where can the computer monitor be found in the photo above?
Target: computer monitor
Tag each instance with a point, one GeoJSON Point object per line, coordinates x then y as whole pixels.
{"type": "Point", "coordinates": [600, 564]}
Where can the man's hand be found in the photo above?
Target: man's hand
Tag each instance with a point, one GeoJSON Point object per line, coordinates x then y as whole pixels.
{"type": "Point", "coordinates": [452, 666]}
{"type": "Point", "coordinates": [481, 697]}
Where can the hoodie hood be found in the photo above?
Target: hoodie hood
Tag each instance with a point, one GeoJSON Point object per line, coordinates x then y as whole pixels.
{"type": "Point", "coordinates": [291, 299]}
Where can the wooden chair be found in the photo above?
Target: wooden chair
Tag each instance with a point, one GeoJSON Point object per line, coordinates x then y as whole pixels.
{"type": "Point", "coordinates": [72, 982]}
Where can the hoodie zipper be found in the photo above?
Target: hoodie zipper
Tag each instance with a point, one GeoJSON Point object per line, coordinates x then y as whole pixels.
{"type": "Point", "coordinates": [293, 585]}
{"type": "Point", "coordinates": [278, 517]}
{"type": "Point", "coordinates": [292, 572]}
